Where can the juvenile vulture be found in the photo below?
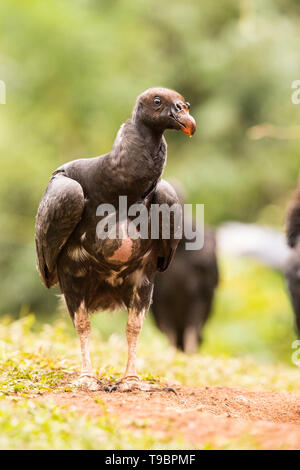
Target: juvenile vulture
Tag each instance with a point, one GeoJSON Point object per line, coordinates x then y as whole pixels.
{"type": "Point", "coordinates": [183, 296]}
{"type": "Point", "coordinates": [293, 263]}
{"type": "Point", "coordinates": [115, 272]}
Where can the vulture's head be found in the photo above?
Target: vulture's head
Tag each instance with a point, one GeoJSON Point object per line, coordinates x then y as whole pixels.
{"type": "Point", "coordinates": [161, 109]}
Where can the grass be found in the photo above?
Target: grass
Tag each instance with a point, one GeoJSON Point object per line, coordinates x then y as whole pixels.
{"type": "Point", "coordinates": [29, 425]}
{"type": "Point", "coordinates": [247, 343]}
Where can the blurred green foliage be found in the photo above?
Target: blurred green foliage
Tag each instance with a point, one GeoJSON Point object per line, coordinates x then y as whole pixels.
{"type": "Point", "coordinates": [247, 344]}
{"type": "Point", "coordinates": [73, 69]}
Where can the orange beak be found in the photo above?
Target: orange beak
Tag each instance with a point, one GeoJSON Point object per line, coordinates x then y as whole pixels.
{"type": "Point", "coordinates": [188, 124]}
{"type": "Point", "coordinates": [186, 121]}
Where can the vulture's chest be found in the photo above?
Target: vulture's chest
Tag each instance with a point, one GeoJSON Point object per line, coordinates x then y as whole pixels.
{"type": "Point", "coordinates": [111, 250]}
{"type": "Point", "coordinates": [120, 242]}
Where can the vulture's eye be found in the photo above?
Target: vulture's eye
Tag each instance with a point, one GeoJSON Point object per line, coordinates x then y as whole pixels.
{"type": "Point", "coordinates": [187, 104]}
{"type": "Point", "coordinates": [157, 100]}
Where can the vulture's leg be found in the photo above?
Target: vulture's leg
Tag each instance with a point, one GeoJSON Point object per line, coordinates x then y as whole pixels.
{"type": "Point", "coordinates": [136, 314]}
{"type": "Point", "coordinates": [83, 327]}
{"type": "Point", "coordinates": [190, 339]}
{"type": "Point", "coordinates": [133, 328]}
{"type": "Point", "coordinates": [198, 315]}
{"type": "Point", "coordinates": [172, 336]}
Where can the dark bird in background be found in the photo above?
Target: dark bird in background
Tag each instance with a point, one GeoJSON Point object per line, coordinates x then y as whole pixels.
{"type": "Point", "coordinates": [293, 264]}
{"type": "Point", "coordinates": [112, 273]}
{"type": "Point", "coordinates": [183, 296]}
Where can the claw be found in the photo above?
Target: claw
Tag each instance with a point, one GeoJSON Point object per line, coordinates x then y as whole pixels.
{"type": "Point", "coordinates": [135, 385]}
{"type": "Point", "coordinates": [110, 388]}
{"type": "Point", "coordinates": [169, 389]}
{"type": "Point", "coordinates": [88, 381]}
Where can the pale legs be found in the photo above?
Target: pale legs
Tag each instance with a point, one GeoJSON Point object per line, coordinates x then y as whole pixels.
{"type": "Point", "coordinates": [83, 327]}
{"type": "Point", "coordinates": [134, 325]}
{"type": "Point", "coordinates": [130, 380]}
{"type": "Point", "coordinates": [190, 339]}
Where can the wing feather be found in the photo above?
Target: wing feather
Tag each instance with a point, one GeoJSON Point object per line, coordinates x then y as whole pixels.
{"type": "Point", "coordinates": [59, 212]}
{"type": "Point", "coordinates": [165, 194]}
{"type": "Point", "coordinates": [293, 220]}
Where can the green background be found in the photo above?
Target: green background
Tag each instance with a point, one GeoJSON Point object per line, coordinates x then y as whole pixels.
{"type": "Point", "coordinates": [73, 69]}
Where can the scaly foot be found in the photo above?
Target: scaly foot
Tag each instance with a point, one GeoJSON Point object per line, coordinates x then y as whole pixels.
{"type": "Point", "coordinates": [133, 383]}
{"type": "Point", "coordinates": [89, 382]}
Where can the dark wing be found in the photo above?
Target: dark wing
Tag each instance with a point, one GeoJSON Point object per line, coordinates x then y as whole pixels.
{"type": "Point", "coordinates": [59, 212]}
{"type": "Point", "coordinates": [165, 194]}
{"type": "Point", "coordinates": [293, 220]}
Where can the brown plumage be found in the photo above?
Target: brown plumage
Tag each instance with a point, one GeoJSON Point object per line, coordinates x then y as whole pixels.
{"type": "Point", "coordinates": [96, 274]}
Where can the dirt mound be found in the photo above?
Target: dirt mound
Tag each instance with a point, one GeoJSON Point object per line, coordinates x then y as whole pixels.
{"type": "Point", "coordinates": [202, 416]}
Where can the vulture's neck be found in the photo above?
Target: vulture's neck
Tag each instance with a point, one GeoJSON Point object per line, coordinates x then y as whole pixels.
{"type": "Point", "coordinates": [134, 136]}
{"type": "Point", "coordinates": [137, 158]}
{"type": "Point", "coordinates": [151, 138]}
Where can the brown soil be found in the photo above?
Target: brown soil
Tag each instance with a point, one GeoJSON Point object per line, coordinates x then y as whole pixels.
{"type": "Point", "coordinates": [201, 416]}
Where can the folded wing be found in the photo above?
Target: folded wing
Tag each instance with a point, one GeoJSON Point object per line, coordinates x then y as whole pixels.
{"type": "Point", "coordinates": [59, 212]}
{"type": "Point", "coordinates": [165, 195]}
